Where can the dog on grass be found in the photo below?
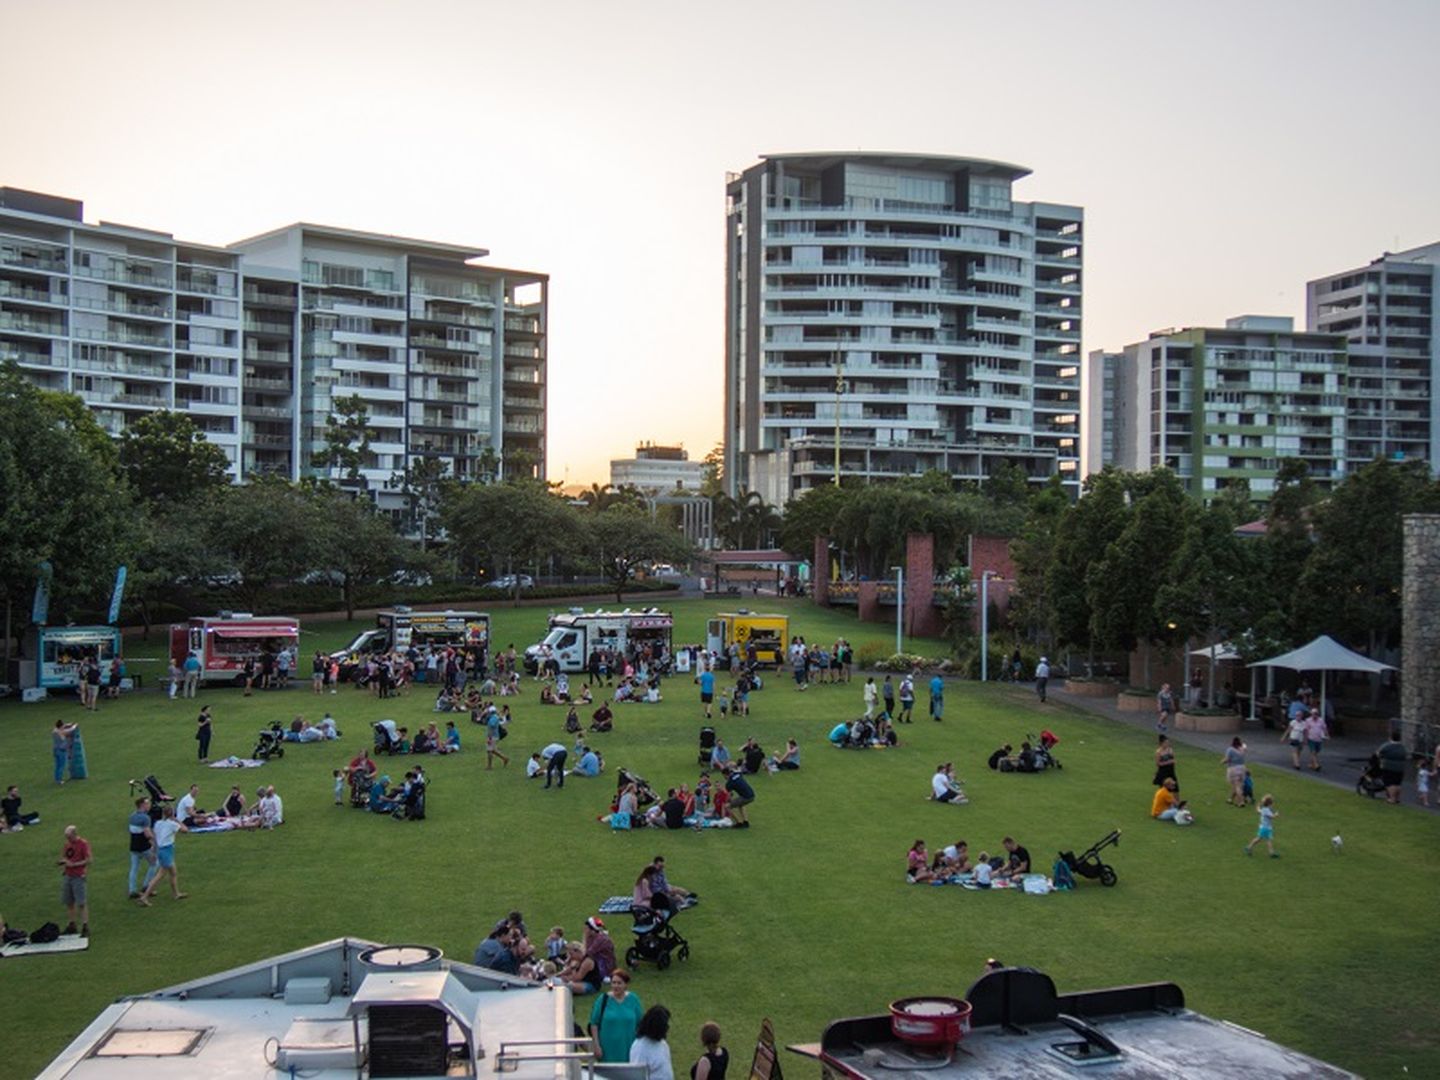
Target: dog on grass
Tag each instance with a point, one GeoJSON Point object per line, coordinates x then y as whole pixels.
{"type": "Point", "coordinates": [1337, 842]}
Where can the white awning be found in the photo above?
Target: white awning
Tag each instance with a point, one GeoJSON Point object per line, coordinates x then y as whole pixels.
{"type": "Point", "coordinates": [1324, 654]}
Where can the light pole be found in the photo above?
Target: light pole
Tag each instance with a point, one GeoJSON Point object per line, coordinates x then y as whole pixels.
{"type": "Point", "coordinates": [839, 389]}
{"type": "Point", "coordinates": [899, 608]}
{"type": "Point", "coordinates": [985, 577]}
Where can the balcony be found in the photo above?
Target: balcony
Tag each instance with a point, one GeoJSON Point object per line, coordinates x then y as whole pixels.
{"type": "Point", "coordinates": [123, 307]}
{"type": "Point", "coordinates": [208, 286]}
{"type": "Point", "coordinates": [124, 366]}
{"type": "Point", "coordinates": [268, 326]}
{"type": "Point", "coordinates": [430, 341]}
{"type": "Point", "coordinates": [257, 355]}
{"type": "Point", "coordinates": [145, 279]}
{"type": "Point", "coordinates": [265, 438]}
{"type": "Point", "coordinates": [128, 397]}
{"type": "Point", "coordinates": [257, 298]}
{"type": "Point", "coordinates": [515, 401]}
{"type": "Point", "coordinates": [26, 324]}
{"type": "Point", "coordinates": [124, 337]}
{"type": "Point", "coordinates": [268, 412]}
{"type": "Point", "coordinates": [33, 260]}
{"type": "Point", "coordinates": [445, 368]}
{"type": "Point", "coordinates": [30, 356]}
{"type": "Point", "coordinates": [448, 396]}
{"type": "Point", "coordinates": [259, 382]}
{"type": "Point", "coordinates": [448, 318]}
{"type": "Point", "coordinates": [11, 290]}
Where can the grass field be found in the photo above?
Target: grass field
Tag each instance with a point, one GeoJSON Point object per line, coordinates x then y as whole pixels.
{"type": "Point", "coordinates": [805, 917]}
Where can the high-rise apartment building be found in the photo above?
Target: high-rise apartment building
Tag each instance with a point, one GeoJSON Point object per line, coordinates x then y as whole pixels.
{"type": "Point", "coordinates": [257, 340]}
{"type": "Point", "coordinates": [1105, 410]}
{"type": "Point", "coordinates": [1219, 406]}
{"type": "Point", "coordinates": [1386, 312]}
{"type": "Point", "coordinates": [905, 309]}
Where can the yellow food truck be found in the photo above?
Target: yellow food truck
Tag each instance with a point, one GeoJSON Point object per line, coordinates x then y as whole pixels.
{"type": "Point", "coordinates": [770, 634]}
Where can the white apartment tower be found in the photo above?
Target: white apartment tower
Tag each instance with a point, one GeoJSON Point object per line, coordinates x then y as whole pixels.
{"type": "Point", "coordinates": [1386, 313]}
{"type": "Point", "coordinates": [255, 341]}
{"type": "Point", "coordinates": [902, 308]}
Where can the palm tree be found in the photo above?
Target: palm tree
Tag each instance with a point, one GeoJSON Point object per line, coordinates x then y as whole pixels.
{"type": "Point", "coordinates": [598, 497]}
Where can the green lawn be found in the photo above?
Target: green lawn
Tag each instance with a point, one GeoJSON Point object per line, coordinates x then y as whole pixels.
{"type": "Point", "coordinates": [805, 916]}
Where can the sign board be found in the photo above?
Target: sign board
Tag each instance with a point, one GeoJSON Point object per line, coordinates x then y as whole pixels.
{"type": "Point", "coordinates": [766, 1065]}
{"type": "Point", "coordinates": [62, 648]}
{"type": "Point", "coordinates": [651, 622]}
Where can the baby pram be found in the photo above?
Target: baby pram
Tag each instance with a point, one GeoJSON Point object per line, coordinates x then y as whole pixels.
{"type": "Point", "coordinates": [387, 737]}
{"type": "Point", "coordinates": [271, 743]}
{"type": "Point", "coordinates": [707, 745]}
{"type": "Point", "coordinates": [156, 791]}
{"type": "Point", "coordinates": [644, 793]}
{"type": "Point", "coordinates": [1088, 863]}
{"type": "Point", "coordinates": [1044, 758]}
{"type": "Point", "coordinates": [655, 938]}
{"type": "Point", "coordinates": [412, 807]}
{"type": "Point", "coordinates": [1370, 782]}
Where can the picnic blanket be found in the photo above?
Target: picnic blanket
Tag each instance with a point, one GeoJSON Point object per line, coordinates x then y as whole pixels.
{"type": "Point", "coordinates": [694, 821]}
{"type": "Point", "coordinates": [219, 826]}
{"type": "Point", "coordinates": [1034, 884]}
{"type": "Point", "coordinates": [233, 762]}
{"type": "Point", "coordinates": [64, 943]}
{"type": "Point", "coordinates": [621, 905]}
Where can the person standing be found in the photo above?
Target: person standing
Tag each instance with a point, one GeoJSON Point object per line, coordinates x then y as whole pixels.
{"type": "Point", "coordinates": [1393, 760]}
{"type": "Point", "coordinates": [60, 747]}
{"type": "Point", "coordinates": [494, 725]}
{"type": "Point", "coordinates": [907, 699]}
{"type": "Point", "coordinates": [142, 846]}
{"type": "Point", "coordinates": [716, 1059]}
{"type": "Point", "coordinates": [554, 757]}
{"type": "Point", "coordinates": [203, 731]}
{"type": "Point", "coordinates": [165, 830]}
{"type": "Point", "coordinates": [191, 667]}
{"type": "Point", "coordinates": [650, 1048]}
{"type": "Point", "coordinates": [1042, 678]}
{"type": "Point", "coordinates": [1316, 732]}
{"type": "Point", "coordinates": [1266, 832]}
{"type": "Point", "coordinates": [75, 863]}
{"type": "Point", "coordinates": [887, 695]}
{"type": "Point", "coordinates": [1165, 707]}
{"type": "Point", "coordinates": [1164, 762]}
{"type": "Point", "coordinates": [1295, 736]}
{"type": "Point", "coordinates": [614, 1019]}
{"type": "Point", "coordinates": [92, 684]}
{"type": "Point", "coordinates": [1234, 760]}
{"type": "Point", "coordinates": [871, 696]}
{"type": "Point", "coordinates": [706, 679]}
{"type": "Point", "coordinates": [937, 697]}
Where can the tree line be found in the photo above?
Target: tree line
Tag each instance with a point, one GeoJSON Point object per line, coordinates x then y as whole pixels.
{"type": "Point", "coordinates": [158, 500]}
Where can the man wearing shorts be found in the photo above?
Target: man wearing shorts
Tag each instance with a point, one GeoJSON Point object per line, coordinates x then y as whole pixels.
{"type": "Point", "coordinates": [741, 796]}
{"type": "Point", "coordinates": [75, 862]}
{"type": "Point", "coordinates": [707, 690]}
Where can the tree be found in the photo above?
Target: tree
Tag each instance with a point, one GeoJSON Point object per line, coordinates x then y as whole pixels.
{"type": "Point", "coordinates": [873, 524]}
{"type": "Point", "coordinates": [353, 543]}
{"type": "Point", "coordinates": [1284, 551]}
{"type": "Point", "coordinates": [744, 520]}
{"type": "Point", "coordinates": [258, 535]}
{"type": "Point", "coordinates": [347, 439]}
{"type": "Point", "coordinates": [812, 514]}
{"type": "Point", "coordinates": [61, 499]}
{"type": "Point", "coordinates": [422, 485]}
{"type": "Point", "coordinates": [1084, 531]}
{"type": "Point", "coordinates": [166, 458]}
{"type": "Point", "coordinates": [165, 548]}
{"type": "Point", "coordinates": [712, 474]}
{"type": "Point", "coordinates": [1350, 586]}
{"type": "Point", "coordinates": [1033, 552]}
{"type": "Point", "coordinates": [624, 538]}
{"type": "Point", "coordinates": [508, 525]}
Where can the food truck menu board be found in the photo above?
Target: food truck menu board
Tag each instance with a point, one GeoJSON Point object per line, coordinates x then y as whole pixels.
{"type": "Point", "coordinates": [467, 627]}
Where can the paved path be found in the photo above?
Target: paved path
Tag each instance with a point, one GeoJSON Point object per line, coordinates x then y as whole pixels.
{"type": "Point", "coordinates": [1341, 759]}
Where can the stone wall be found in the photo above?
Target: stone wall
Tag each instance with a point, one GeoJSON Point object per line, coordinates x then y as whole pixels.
{"type": "Point", "coordinates": [1420, 622]}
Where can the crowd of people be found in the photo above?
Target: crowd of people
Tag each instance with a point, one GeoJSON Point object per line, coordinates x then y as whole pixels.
{"type": "Point", "coordinates": [951, 864]}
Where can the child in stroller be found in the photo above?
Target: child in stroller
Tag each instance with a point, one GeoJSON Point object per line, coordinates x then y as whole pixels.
{"type": "Point", "coordinates": [644, 793]}
{"type": "Point", "coordinates": [1371, 782]}
{"type": "Point", "coordinates": [707, 745]}
{"type": "Point", "coordinates": [655, 937]}
{"type": "Point", "coordinates": [271, 743]}
{"type": "Point", "coordinates": [156, 791]}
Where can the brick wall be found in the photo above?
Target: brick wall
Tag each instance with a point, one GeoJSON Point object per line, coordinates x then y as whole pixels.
{"type": "Point", "coordinates": [820, 571]}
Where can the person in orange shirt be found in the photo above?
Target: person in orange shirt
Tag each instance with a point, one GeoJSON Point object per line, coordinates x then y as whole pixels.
{"type": "Point", "coordinates": [1165, 804]}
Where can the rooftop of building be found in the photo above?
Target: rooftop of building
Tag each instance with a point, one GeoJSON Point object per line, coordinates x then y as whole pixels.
{"type": "Point", "coordinates": [824, 159]}
{"type": "Point", "coordinates": [440, 249]}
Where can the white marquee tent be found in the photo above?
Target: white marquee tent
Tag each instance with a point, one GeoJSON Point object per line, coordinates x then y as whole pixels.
{"type": "Point", "coordinates": [1322, 655]}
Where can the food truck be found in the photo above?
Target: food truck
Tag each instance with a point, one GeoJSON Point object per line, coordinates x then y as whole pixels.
{"type": "Point", "coordinates": [770, 634]}
{"type": "Point", "coordinates": [224, 642]}
{"type": "Point", "coordinates": [401, 628]}
{"type": "Point", "coordinates": [573, 636]}
{"type": "Point", "coordinates": [60, 649]}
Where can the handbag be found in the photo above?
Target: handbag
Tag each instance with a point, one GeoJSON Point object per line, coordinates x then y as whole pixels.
{"type": "Point", "coordinates": [620, 820]}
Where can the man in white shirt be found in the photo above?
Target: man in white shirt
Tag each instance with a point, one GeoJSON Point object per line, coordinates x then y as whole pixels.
{"type": "Point", "coordinates": [554, 756]}
{"type": "Point", "coordinates": [943, 787]}
{"type": "Point", "coordinates": [272, 810]}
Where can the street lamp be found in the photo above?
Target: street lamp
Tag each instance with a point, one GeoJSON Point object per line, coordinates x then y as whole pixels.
{"type": "Point", "coordinates": [839, 389]}
{"type": "Point", "coordinates": [899, 607]}
{"type": "Point", "coordinates": [985, 577]}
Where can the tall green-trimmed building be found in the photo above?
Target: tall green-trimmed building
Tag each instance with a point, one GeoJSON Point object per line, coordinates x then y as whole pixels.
{"type": "Point", "coordinates": [1221, 406]}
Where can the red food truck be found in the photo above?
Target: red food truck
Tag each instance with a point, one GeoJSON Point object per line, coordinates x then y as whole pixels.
{"type": "Point", "coordinates": [224, 642]}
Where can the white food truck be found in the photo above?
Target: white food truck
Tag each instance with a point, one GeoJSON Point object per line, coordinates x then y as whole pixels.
{"type": "Point", "coordinates": [575, 635]}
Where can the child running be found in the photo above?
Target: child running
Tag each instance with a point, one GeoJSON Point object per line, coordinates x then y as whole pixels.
{"type": "Point", "coordinates": [1268, 814]}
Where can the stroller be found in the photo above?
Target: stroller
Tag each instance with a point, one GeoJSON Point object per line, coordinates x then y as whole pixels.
{"type": "Point", "coordinates": [655, 938]}
{"type": "Point", "coordinates": [271, 743]}
{"type": "Point", "coordinates": [1088, 863]}
{"type": "Point", "coordinates": [360, 784]}
{"type": "Point", "coordinates": [413, 806]}
{"type": "Point", "coordinates": [1370, 782]}
{"type": "Point", "coordinates": [387, 737]}
{"type": "Point", "coordinates": [156, 791]}
{"type": "Point", "coordinates": [644, 793]}
{"type": "Point", "coordinates": [1043, 746]}
{"type": "Point", "coordinates": [707, 745]}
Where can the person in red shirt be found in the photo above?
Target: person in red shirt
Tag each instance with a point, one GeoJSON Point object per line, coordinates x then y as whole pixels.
{"type": "Point", "coordinates": [75, 861]}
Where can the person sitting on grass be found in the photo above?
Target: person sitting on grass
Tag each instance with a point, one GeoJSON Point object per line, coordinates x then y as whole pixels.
{"type": "Point", "coordinates": [1018, 864]}
{"type": "Point", "coordinates": [1025, 762]}
{"type": "Point", "coordinates": [984, 872]}
{"type": "Point", "coordinates": [944, 787]}
{"type": "Point", "coordinates": [13, 817]}
{"type": "Point", "coordinates": [789, 760]}
{"type": "Point", "coordinates": [452, 738]}
{"type": "Point", "coordinates": [952, 859]}
{"type": "Point", "coordinates": [1000, 755]}
{"type": "Point", "coordinates": [1166, 804]}
{"type": "Point", "coordinates": [917, 864]}
{"type": "Point", "coordinates": [380, 800]}
{"type": "Point", "coordinates": [602, 719]}
{"type": "Point", "coordinates": [590, 763]}
{"type": "Point", "coordinates": [547, 695]}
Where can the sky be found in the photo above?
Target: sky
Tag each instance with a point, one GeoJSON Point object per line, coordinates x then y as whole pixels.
{"type": "Point", "coordinates": [1225, 153]}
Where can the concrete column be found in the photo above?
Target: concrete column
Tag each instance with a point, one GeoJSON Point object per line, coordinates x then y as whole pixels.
{"type": "Point", "coordinates": [820, 572]}
{"type": "Point", "coordinates": [1420, 623]}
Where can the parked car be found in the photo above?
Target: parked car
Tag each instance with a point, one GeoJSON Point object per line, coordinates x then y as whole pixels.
{"type": "Point", "coordinates": [507, 582]}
